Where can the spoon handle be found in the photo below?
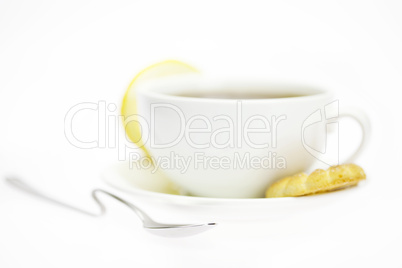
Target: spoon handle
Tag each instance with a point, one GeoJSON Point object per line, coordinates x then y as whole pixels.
{"type": "Point", "coordinates": [20, 184]}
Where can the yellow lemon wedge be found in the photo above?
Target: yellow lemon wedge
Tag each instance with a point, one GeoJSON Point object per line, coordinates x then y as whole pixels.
{"type": "Point", "coordinates": [129, 104]}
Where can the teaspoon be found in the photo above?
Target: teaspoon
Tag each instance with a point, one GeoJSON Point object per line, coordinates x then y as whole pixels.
{"type": "Point", "coordinates": [157, 228]}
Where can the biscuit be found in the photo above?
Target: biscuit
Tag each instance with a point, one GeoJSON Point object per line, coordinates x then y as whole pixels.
{"type": "Point", "coordinates": [318, 181]}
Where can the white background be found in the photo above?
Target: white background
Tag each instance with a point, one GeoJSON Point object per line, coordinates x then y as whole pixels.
{"type": "Point", "coordinates": [54, 55]}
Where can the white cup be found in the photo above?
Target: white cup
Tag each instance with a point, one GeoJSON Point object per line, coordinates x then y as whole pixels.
{"type": "Point", "coordinates": [234, 148]}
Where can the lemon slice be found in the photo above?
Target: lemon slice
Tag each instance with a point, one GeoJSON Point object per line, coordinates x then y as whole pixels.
{"type": "Point", "coordinates": [129, 105]}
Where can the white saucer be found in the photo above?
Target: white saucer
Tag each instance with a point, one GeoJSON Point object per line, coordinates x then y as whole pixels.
{"type": "Point", "coordinates": [154, 189]}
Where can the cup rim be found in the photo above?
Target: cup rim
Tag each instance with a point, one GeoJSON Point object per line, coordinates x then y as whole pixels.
{"type": "Point", "coordinates": [166, 88]}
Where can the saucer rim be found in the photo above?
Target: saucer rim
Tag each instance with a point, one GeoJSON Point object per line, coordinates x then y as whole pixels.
{"type": "Point", "coordinates": [131, 189]}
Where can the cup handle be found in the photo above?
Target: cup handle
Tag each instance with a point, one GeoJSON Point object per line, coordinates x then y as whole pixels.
{"type": "Point", "coordinates": [334, 115]}
{"type": "Point", "coordinates": [360, 117]}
